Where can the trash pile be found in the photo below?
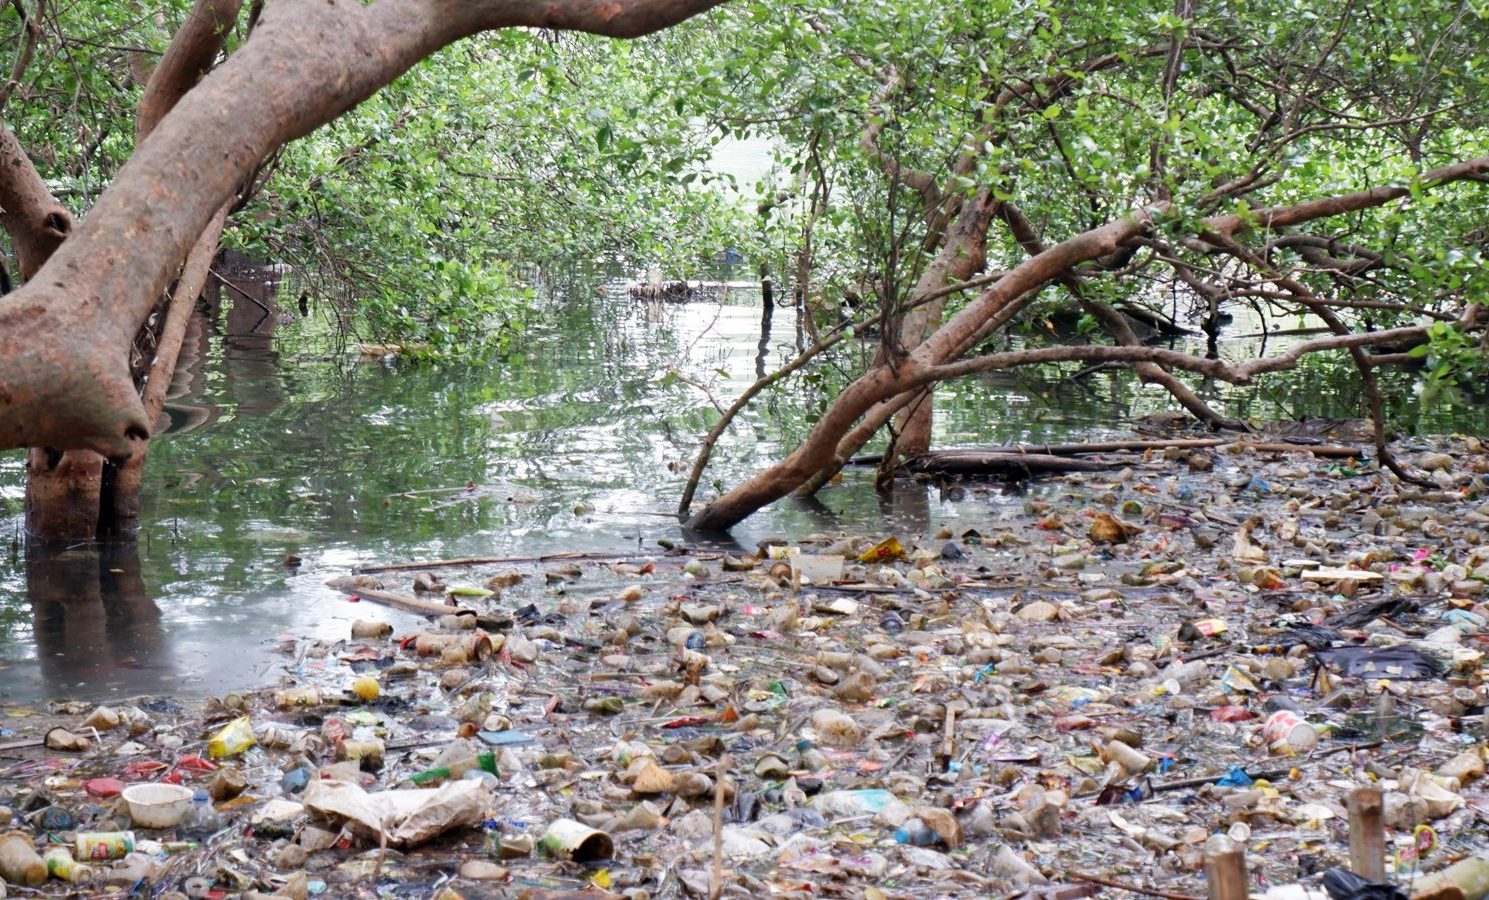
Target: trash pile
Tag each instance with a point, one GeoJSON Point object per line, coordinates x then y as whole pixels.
{"type": "Point", "coordinates": [1069, 696]}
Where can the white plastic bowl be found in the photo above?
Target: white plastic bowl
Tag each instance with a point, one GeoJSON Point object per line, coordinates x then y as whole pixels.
{"type": "Point", "coordinates": [158, 805]}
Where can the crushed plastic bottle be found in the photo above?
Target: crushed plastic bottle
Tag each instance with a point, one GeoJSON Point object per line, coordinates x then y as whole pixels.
{"type": "Point", "coordinates": [201, 821]}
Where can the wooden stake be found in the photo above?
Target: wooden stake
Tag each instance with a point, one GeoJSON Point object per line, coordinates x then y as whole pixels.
{"type": "Point", "coordinates": [1367, 834]}
{"type": "Point", "coordinates": [1225, 869]}
{"type": "Point", "coordinates": [716, 883]}
{"type": "Point", "coordinates": [948, 736]}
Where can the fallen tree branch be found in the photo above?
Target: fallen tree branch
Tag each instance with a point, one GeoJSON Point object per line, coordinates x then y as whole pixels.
{"type": "Point", "coordinates": [1334, 451]}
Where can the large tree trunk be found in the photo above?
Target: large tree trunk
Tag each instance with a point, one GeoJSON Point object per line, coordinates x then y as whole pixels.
{"type": "Point", "coordinates": [65, 337]}
{"type": "Point", "coordinates": [77, 495]}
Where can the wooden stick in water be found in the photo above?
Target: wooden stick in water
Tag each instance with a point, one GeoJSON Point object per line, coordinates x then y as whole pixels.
{"type": "Point", "coordinates": [388, 598]}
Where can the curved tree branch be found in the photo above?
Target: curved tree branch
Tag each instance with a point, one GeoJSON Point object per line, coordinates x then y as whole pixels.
{"type": "Point", "coordinates": [189, 57]}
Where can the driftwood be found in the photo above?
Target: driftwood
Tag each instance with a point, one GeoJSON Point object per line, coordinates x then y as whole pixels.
{"type": "Point", "coordinates": [388, 598]}
{"type": "Point", "coordinates": [1028, 459]}
{"type": "Point", "coordinates": [974, 462]}
{"type": "Point", "coordinates": [497, 560]}
{"type": "Point", "coordinates": [1281, 445]}
{"type": "Point", "coordinates": [1131, 888]}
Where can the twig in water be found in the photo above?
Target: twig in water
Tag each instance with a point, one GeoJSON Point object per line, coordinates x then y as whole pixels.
{"type": "Point", "coordinates": [1133, 888]}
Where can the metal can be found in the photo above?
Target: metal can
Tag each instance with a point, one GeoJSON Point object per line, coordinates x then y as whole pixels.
{"type": "Point", "coordinates": [105, 844]}
{"type": "Point", "coordinates": [293, 697]}
{"type": "Point", "coordinates": [1287, 732]}
{"type": "Point", "coordinates": [369, 752]}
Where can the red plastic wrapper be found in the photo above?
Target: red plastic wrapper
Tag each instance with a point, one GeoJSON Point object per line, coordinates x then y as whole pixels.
{"type": "Point", "coordinates": [1232, 714]}
{"type": "Point", "coordinates": [103, 788]}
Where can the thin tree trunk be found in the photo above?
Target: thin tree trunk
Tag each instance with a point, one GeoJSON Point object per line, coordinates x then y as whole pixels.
{"type": "Point", "coordinates": [963, 255]}
{"type": "Point", "coordinates": [120, 513]}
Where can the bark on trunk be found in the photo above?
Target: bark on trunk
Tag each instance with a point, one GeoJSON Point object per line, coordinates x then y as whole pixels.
{"type": "Point", "coordinates": [119, 516]}
{"type": "Point", "coordinates": [62, 491]}
{"type": "Point", "coordinates": [65, 339]}
{"type": "Point", "coordinates": [186, 61]}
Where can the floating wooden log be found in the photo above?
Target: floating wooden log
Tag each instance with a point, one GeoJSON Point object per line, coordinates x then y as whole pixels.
{"type": "Point", "coordinates": [1035, 458]}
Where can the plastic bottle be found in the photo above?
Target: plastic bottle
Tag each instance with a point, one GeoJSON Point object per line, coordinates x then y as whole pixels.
{"type": "Point", "coordinates": [916, 832]}
{"type": "Point", "coordinates": [60, 864]}
{"type": "Point", "coordinates": [201, 821]}
{"type": "Point", "coordinates": [457, 768]}
{"type": "Point", "coordinates": [99, 845]}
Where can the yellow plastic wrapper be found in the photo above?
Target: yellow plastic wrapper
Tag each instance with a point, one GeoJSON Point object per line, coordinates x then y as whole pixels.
{"type": "Point", "coordinates": [885, 550]}
{"type": "Point", "coordinates": [232, 739]}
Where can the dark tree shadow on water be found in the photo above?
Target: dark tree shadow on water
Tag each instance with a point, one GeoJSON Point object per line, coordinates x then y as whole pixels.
{"type": "Point", "coordinates": [98, 633]}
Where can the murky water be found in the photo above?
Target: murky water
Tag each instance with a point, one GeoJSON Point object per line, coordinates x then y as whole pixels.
{"type": "Point", "coordinates": [575, 439]}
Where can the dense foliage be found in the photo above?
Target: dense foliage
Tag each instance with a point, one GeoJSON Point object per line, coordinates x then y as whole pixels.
{"type": "Point", "coordinates": [439, 199]}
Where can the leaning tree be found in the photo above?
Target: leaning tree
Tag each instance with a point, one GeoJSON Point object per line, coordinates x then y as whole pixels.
{"type": "Point", "coordinates": [87, 344]}
{"type": "Point", "coordinates": [1310, 159]}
